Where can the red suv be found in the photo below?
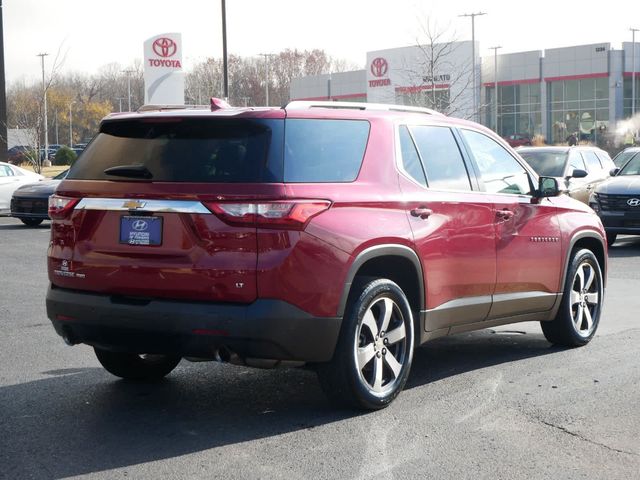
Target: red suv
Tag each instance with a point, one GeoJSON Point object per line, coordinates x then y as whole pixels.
{"type": "Point", "coordinates": [339, 235]}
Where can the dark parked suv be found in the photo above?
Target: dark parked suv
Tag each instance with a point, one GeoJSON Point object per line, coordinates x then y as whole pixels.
{"type": "Point", "coordinates": [337, 235]}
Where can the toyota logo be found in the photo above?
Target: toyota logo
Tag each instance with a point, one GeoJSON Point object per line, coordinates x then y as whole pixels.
{"type": "Point", "coordinates": [164, 47]}
{"type": "Point", "coordinates": [140, 225]}
{"type": "Point", "coordinates": [379, 67]}
{"type": "Point", "coordinates": [633, 202]}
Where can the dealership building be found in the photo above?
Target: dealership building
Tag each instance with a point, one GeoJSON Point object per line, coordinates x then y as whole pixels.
{"type": "Point", "coordinates": [583, 89]}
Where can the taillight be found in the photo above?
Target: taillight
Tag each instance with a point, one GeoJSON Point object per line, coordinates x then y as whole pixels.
{"type": "Point", "coordinates": [61, 207]}
{"type": "Point", "coordinates": [293, 215]}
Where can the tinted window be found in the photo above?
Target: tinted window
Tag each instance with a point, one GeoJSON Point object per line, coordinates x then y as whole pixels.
{"type": "Point", "coordinates": [410, 158]}
{"type": "Point", "coordinates": [186, 150]}
{"type": "Point", "coordinates": [632, 167]}
{"type": "Point", "coordinates": [324, 150]}
{"type": "Point", "coordinates": [592, 161]}
{"type": "Point", "coordinates": [623, 157]}
{"type": "Point", "coordinates": [500, 172]}
{"type": "Point", "coordinates": [441, 158]}
{"type": "Point", "coordinates": [545, 163]}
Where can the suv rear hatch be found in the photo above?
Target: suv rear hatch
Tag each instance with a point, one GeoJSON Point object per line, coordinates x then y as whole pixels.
{"type": "Point", "coordinates": [135, 216]}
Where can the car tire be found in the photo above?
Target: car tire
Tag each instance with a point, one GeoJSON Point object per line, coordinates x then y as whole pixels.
{"type": "Point", "coordinates": [611, 238]}
{"type": "Point", "coordinates": [579, 314]}
{"type": "Point", "coordinates": [373, 356]}
{"type": "Point", "coordinates": [31, 222]}
{"type": "Point", "coordinates": [133, 366]}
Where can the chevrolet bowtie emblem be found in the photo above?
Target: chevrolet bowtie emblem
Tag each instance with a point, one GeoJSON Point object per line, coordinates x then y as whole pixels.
{"type": "Point", "coordinates": [133, 204]}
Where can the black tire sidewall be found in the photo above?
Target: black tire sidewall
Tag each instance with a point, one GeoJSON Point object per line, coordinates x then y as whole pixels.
{"type": "Point", "coordinates": [565, 310]}
{"type": "Point", "coordinates": [372, 292]}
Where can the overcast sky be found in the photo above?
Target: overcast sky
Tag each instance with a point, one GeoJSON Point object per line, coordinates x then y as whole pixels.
{"type": "Point", "coordinates": [94, 33]}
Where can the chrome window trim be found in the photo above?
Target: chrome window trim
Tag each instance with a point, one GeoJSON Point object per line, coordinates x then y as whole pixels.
{"type": "Point", "coordinates": [160, 206]}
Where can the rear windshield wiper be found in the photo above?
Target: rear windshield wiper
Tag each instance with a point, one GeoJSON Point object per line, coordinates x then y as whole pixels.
{"type": "Point", "coordinates": [133, 171]}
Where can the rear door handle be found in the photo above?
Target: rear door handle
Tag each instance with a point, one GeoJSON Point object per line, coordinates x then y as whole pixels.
{"type": "Point", "coordinates": [504, 214]}
{"type": "Point", "coordinates": [422, 212]}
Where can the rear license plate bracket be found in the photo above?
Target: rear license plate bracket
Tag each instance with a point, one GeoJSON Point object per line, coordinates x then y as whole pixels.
{"type": "Point", "coordinates": [139, 230]}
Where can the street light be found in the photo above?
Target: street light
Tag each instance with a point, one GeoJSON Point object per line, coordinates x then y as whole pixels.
{"type": "Point", "coordinates": [633, 71]}
{"type": "Point", "coordinates": [266, 82]}
{"type": "Point", "coordinates": [473, 57]}
{"type": "Point", "coordinates": [128, 72]}
{"type": "Point", "coordinates": [120, 102]}
{"type": "Point", "coordinates": [44, 94]}
{"type": "Point", "coordinates": [225, 68]}
{"type": "Point", "coordinates": [495, 83]}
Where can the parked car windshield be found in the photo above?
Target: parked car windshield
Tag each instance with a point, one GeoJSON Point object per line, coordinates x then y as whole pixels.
{"type": "Point", "coordinates": [545, 163]}
{"type": "Point", "coordinates": [631, 168]}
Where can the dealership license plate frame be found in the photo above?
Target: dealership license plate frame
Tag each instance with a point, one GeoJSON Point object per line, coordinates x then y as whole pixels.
{"type": "Point", "coordinates": [129, 235]}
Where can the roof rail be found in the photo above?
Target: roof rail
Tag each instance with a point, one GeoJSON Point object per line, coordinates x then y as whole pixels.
{"type": "Point", "coordinates": [151, 108]}
{"type": "Point", "coordinates": [303, 104]}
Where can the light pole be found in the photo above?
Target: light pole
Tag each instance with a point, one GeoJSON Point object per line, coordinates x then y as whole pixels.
{"type": "Point", "coordinates": [120, 102]}
{"type": "Point", "coordinates": [266, 81]}
{"type": "Point", "coordinates": [128, 72]}
{"type": "Point", "coordinates": [44, 94]}
{"type": "Point", "coordinates": [473, 58]}
{"type": "Point", "coordinates": [225, 67]}
{"type": "Point", "coordinates": [71, 125]}
{"type": "Point", "coordinates": [3, 97]}
{"type": "Point", "coordinates": [495, 88]}
{"type": "Point", "coordinates": [633, 71]}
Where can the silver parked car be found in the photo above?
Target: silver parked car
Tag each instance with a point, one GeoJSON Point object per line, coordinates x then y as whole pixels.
{"type": "Point", "coordinates": [579, 169]}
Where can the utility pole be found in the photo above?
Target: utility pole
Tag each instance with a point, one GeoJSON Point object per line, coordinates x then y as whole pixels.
{"type": "Point", "coordinates": [495, 83]}
{"type": "Point", "coordinates": [225, 66]}
{"type": "Point", "coordinates": [128, 72]}
{"type": "Point", "coordinates": [57, 139]}
{"type": "Point", "coordinates": [3, 97]}
{"type": "Point", "coordinates": [473, 59]}
{"type": "Point", "coordinates": [266, 56]}
{"type": "Point", "coordinates": [120, 102]}
{"type": "Point", "coordinates": [44, 94]}
{"type": "Point", "coordinates": [633, 71]}
{"type": "Point", "coordinates": [71, 125]}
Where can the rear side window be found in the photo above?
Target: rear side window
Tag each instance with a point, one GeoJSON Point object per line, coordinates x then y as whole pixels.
{"type": "Point", "coordinates": [324, 150]}
{"type": "Point", "coordinates": [441, 158]}
{"type": "Point", "coordinates": [410, 159]}
{"type": "Point", "coordinates": [186, 150]}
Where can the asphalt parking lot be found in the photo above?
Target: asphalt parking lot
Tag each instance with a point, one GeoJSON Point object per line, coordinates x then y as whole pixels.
{"type": "Point", "coordinates": [496, 404]}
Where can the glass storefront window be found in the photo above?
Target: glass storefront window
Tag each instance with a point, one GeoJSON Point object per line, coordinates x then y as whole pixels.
{"type": "Point", "coordinates": [583, 109]}
{"type": "Point", "coordinates": [571, 90]}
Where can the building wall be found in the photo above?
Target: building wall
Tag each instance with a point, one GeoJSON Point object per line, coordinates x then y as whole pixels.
{"type": "Point", "coordinates": [584, 89]}
{"type": "Point", "coordinates": [407, 76]}
{"type": "Point", "coordinates": [348, 86]}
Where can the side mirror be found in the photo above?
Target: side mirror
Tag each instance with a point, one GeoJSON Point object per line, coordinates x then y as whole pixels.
{"type": "Point", "coordinates": [614, 171]}
{"type": "Point", "coordinates": [578, 173]}
{"type": "Point", "coordinates": [548, 187]}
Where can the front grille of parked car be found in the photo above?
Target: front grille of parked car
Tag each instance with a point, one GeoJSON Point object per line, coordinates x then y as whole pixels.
{"type": "Point", "coordinates": [617, 202]}
{"type": "Point", "coordinates": [29, 205]}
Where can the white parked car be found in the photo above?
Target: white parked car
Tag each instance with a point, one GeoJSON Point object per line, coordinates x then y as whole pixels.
{"type": "Point", "coordinates": [12, 177]}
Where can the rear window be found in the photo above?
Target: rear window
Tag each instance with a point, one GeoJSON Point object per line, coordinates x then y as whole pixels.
{"type": "Point", "coordinates": [186, 150]}
{"type": "Point", "coordinates": [324, 150]}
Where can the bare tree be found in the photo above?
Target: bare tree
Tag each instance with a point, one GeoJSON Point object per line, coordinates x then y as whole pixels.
{"type": "Point", "coordinates": [439, 79]}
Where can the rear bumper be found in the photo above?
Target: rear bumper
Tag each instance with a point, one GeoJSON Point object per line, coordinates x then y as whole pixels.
{"type": "Point", "coordinates": [271, 329]}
